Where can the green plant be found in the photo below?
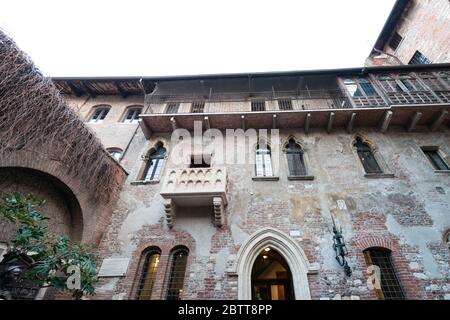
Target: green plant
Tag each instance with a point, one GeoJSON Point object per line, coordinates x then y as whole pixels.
{"type": "Point", "coordinates": [51, 254]}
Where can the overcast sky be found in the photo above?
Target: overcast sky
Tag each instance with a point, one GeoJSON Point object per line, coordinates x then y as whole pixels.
{"type": "Point", "coordinates": [168, 37]}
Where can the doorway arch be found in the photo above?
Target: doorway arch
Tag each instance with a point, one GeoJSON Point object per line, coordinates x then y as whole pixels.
{"type": "Point", "coordinates": [287, 247]}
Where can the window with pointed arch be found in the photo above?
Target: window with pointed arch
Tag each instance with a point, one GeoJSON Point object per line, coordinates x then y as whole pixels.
{"type": "Point", "coordinates": [178, 263]}
{"type": "Point", "coordinates": [366, 155]}
{"type": "Point", "coordinates": [155, 163]}
{"type": "Point", "coordinates": [263, 161]}
{"type": "Point", "coordinates": [148, 276]}
{"type": "Point", "coordinates": [295, 159]}
{"type": "Point", "coordinates": [387, 285]}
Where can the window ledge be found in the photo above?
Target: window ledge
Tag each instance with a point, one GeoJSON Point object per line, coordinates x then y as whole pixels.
{"type": "Point", "coordinates": [300, 177]}
{"type": "Point", "coordinates": [273, 178]}
{"type": "Point", "coordinates": [379, 175]}
{"type": "Point", "coordinates": [143, 182]}
{"type": "Point", "coordinates": [442, 171]}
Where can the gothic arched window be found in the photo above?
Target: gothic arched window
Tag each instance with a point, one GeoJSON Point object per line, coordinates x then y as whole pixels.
{"type": "Point", "coordinates": [367, 157]}
{"type": "Point", "coordinates": [296, 162]}
{"type": "Point", "coordinates": [178, 264]}
{"type": "Point", "coordinates": [263, 162]}
{"type": "Point", "coordinates": [155, 164]}
{"type": "Point", "coordinates": [149, 270]}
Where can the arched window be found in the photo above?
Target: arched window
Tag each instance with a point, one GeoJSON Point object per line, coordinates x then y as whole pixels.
{"type": "Point", "coordinates": [148, 276]}
{"type": "Point", "coordinates": [99, 114]}
{"type": "Point", "coordinates": [177, 272]}
{"type": "Point", "coordinates": [155, 164]}
{"type": "Point", "coordinates": [296, 162]}
{"type": "Point", "coordinates": [132, 115]}
{"type": "Point", "coordinates": [116, 153]}
{"type": "Point", "coordinates": [367, 157]}
{"type": "Point", "coordinates": [263, 162]}
{"type": "Point", "coordinates": [389, 287]}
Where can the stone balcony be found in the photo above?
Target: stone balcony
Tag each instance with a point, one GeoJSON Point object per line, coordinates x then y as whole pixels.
{"type": "Point", "coordinates": [195, 187]}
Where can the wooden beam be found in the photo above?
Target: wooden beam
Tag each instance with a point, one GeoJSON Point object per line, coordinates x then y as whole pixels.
{"type": "Point", "coordinates": [307, 122]}
{"type": "Point", "coordinates": [243, 122]}
{"type": "Point", "coordinates": [86, 88]}
{"type": "Point", "coordinates": [207, 123]}
{"type": "Point", "coordinates": [74, 89]}
{"type": "Point", "coordinates": [330, 122]}
{"type": "Point", "coordinates": [439, 120]}
{"type": "Point", "coordinates": [274, 121]}
{"type": "Point", "coordinates": [119, 88]}
{"type": "Point", "coordinates": [174, 123]}
{"type": "Point", "coordinates": [414, 120]}
{"type": "Point", "coordinates": [384, 124]}
{"type": "Point", "coordinates": [351, 122]}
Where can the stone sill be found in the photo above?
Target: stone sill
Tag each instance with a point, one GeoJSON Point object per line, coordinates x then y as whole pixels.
{"type": "Point", "coordinates": [274, 178]}
{"type": "Point", "coordinates": [142, 182]}
{"type": "Point", "coordinates": [300, 177]}
{"type": "Point", "coordinates": [379, 175]}
{"type": "Point", "coordinates": [441, 171]}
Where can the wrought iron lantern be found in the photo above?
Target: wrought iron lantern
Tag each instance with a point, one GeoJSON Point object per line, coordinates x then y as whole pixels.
{"type": "Point", "coordinates": [340, 249]}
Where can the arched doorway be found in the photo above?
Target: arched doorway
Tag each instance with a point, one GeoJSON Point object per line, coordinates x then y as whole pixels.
{"type": "Point", "coordinates": [287, 248]}
{"type": "Point", "coordinates": [271, 277]}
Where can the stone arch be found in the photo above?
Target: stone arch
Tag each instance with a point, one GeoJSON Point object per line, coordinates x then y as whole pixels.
{"type": "Point", "coordinates": [59, 199]}
{"type": "Point", "coordinates": [373, 241]}
{"type": "Point", "coordinates": [297, 141]}
{"type": "Point", "coordinates": [287, 247]}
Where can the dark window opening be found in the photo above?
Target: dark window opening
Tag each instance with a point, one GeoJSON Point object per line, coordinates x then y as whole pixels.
{"type": "Point", "coordinates": [148, 277]}
{"type": "Point", "coordinates": [395, 41]}
{"type": "Point", "coordinates": [172, 107]}
{"type": "Point", "coordinates": [367, 157]}
{"type": "Point", "coordinates": [419, 58]}
{"type": "Point", "coordinates": [390, 288]}
{"type": "Point", "coordinates": [296, 163]}
{"type": "Point", "coordinates": [258, 105]}
{"type": "Point", "coordinates": [200, 161]}
{"type": "Point", "coordinates": [132, 115]}
{"type": "Point", "coordinates": [177, 274]}
{"type": "Point", "coordinates": [285, 104]}
{"type": "Point", "coordinates": [435, 158]}
{"type": "Point", "coordinates": [198, 107]}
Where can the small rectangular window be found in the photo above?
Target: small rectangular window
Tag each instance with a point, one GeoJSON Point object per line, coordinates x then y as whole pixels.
{"type": "Point", "coordinates": [99, 115]}
{"type": "Point", "coordinates": [198, 107]}
{"type": "Point", "coordinates": [419, 58]}
{"type": "Point", "coordinates": [435, 158]}
{"type": "Point", "coordinates": [172, 107]}
{"type": "Point", "coordinates": [285, 104]}
{"type": "Point", "coordinates": [259, 105]}
{"type": "Point", "coordinates": [395, 41]}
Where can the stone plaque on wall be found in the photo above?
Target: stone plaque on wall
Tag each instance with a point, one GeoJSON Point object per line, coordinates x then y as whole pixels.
{"type": "Point", "coordinates": [114, 267]}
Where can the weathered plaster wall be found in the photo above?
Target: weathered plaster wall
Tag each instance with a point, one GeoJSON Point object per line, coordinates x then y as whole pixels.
{"type": "Point", "coordinates": [407, 214]}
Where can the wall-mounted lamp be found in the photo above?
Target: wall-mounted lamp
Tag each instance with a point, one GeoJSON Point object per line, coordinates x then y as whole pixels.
{"type": "Point", "coordinates": [341, 250]}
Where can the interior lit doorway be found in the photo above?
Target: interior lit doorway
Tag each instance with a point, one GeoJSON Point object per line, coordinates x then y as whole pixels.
{"type": "Point", "coordinates": [271, 277]}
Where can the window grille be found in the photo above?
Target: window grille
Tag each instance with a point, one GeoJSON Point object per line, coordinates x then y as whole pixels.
{"type": "Point", "coordinates": [285, 104]}
{"type": "Point", "coordinates": [198, 107]}
{"type": "Point", "coordinates": [389, 282]}
{"type": "Point", "coordinates": [258, 105]}
{"type": "Point", "coordinates": [177, 274]}
{"type": "Point", "coordinates": [149, 271]}
{"type": "Point", "coordinates": [172, 107]}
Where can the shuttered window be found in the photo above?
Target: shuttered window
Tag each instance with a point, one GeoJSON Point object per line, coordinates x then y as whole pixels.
{"type": "Point", "coordinates": [395, 41]}
{"type": "Point", "coordinates": [198, 107]}
{"type": "Point", "coordinates": [172, 107]}
{"type": "Point", "coordinates": [263, 162]}
{"type": "Point", "coordinates": [419, 58]}
{"type": "Point", "coordinates": [295, 159]}
{"type": "Point", "coordinates": [258, 105]}
{"type": "Point", "coordinates": [285, 104]}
